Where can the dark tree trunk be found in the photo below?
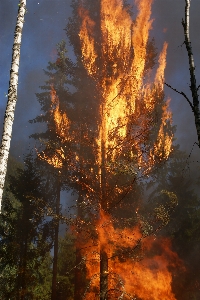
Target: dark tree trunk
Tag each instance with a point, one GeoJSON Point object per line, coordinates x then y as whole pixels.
{"type": "Point", "coordinates": [104, 207]}
{"type": "Point", "coordinates": [78, 282]}
{"type": "Point", "coordinates": [193, 84]}
{"type": "Point", "coordinates": [55, 253]}
{"type": "Point", "coordinates": [79, 271]}
{"type": "Point", "coordinates": [78, 276]}
{"type": "Point", "coordinates": [194, 104]}
{"type": "Point", "coordinates": [103, 274]}
{"type": "Point", "coordinates": [21, 281]}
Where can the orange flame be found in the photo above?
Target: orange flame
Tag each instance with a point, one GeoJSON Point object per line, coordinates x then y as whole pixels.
{"type": "Point", "coordinates": [147, 277]}
{"type": "Point", "coordinates": [114, 52]}
{"type": "Point", "coordinates": [62, 125]}
{"type": "Point", "coordinates": [120, 75]}
{"type": "Point", "coordinates": [116, 61]}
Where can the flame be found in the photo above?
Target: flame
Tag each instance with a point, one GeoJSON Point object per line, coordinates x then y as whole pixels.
{"type": "Point", "coordinates": [61, 121]}
{"type": "Point", "coordinates": [55, 157]}
{"type": "Point", "coordinates": [115, 59]}
{"type": "Point", "coordinates": [114, 53]}
{"type": "Point", "coordinates": [146, 277]}
{"type": "Point", "coordinates": [120, 75]}
{"type": "Point", "coordinates": [162, 148]}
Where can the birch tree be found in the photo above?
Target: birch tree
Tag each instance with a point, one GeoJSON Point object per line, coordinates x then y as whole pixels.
{"type": "Point", "coordinates": [12, 96]}
{"type": "Point", "coordinates": [194, 103]}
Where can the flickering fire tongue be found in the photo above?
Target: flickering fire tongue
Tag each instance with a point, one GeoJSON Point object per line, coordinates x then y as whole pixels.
{"type": "Point", "coordinates": [116, 61]}
{"type": "Point", "coordinates": [120, 76]}
{"type": "Point", "coordinates": [148, 278]}
{"type": "Point", "coordinates": [62, 125]}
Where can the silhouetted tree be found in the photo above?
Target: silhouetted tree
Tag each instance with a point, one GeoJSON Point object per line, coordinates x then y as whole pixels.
{"type": "Point", "coordinates": [26, 237]}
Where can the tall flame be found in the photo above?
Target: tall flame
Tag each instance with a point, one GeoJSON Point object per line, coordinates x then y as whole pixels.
{"type": "Point", "coordinates": [147, 277]}
{"type": "Point", "coordinates": [120, 75]}
{"type": "Point", "coordinates": [56, 156]}
{"type": "Point", "coordinates": [114, 53]}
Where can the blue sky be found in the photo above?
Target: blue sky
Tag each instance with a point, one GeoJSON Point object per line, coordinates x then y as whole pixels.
{"type": "Point", "coordinates": [43, 29]}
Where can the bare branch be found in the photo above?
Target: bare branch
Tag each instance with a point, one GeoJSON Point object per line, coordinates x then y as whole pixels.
{"type": "Point", "coordinates": [181, 93]}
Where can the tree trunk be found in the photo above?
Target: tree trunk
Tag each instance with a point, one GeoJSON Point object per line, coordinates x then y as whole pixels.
{"type": "Point", "coordinates": [55, 254]}
{"type": "Point", "coordinates": [104, 207]}
{"type": "Point", "coordinates": [194, 104]}
{"type": "Point", "coordinates": [193, 85]}
{"type": "Point", "coordinates": [103, 273]}
{"type": "Point", "coordinates": [78, 275]}
{"type": "Point", "coordinates": [21, 280]}
{"type": "Point", "coordinates": [12, 96]}
{"type": "Point", "coordinates": [79, 271]}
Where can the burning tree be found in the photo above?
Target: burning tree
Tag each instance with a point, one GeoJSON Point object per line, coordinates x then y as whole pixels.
{"type": "Point", "coordinates": [104, 158]}
{"type": "Point", "coordinates": [114, 51]}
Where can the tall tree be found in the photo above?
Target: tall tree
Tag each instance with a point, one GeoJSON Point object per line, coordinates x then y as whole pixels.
{"type": "Point", "coordinates": [25, 235]}
{"type": "Point", "coordinates": [194, 88]}
{"type": "Point", "coordinates": [54, 143]}
{"type": "Point", "coordinates": [105, 148]}
{"type": "Point", "coordinates": [12, 96]}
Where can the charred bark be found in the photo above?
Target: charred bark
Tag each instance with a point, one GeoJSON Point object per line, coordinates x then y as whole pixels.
{"type": "Point", "coordinates": [12, 96]}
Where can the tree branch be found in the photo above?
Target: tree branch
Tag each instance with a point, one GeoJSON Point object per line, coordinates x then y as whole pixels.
{"type": "Point", "coordinates": [183, 94]}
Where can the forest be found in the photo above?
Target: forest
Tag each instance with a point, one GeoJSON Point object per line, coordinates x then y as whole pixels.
{"type": "Point", "coordinates": [101, 198]}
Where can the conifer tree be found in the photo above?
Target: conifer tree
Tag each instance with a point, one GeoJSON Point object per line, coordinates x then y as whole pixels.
{"type": "Point", "coordinates": [104, 177]}
{"type": "Point", "coordinates": [25, 235]}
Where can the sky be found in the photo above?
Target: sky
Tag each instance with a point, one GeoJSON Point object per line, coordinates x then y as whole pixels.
{"type": "Point", "coordinates": [44, 28]}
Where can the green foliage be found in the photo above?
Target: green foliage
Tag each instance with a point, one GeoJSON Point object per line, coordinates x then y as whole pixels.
{"type": "Point", "coordinates": [66, 264]}
{"type": "Point", "coordinates": [42, 289]}
{"type": "Point", "coordinates": [24, 240]}
{"type": "Point", "coordinates": [183, 223]}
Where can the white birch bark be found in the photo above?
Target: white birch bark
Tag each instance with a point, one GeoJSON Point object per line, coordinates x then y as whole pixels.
{"type": "Point", "coordinates": [194, 104]}
{"type": "Point", "coordinates": [12, 96]}
{"type": "Point", "coordinates": [193, 85]}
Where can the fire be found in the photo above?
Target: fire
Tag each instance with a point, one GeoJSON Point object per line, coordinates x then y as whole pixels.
{"type": "Point", "coordinates": [55, 157]}
{"type": "Point", "coordinates": [162, 148]}
{"type": "Point", "coordinates": [61, 121]}
{"type": "Point", "coordinates": [120, 76]}
{"type": "Point", "coordinates": [114, 53]}
{"type": "Point", "coordinates": [146, 277]}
